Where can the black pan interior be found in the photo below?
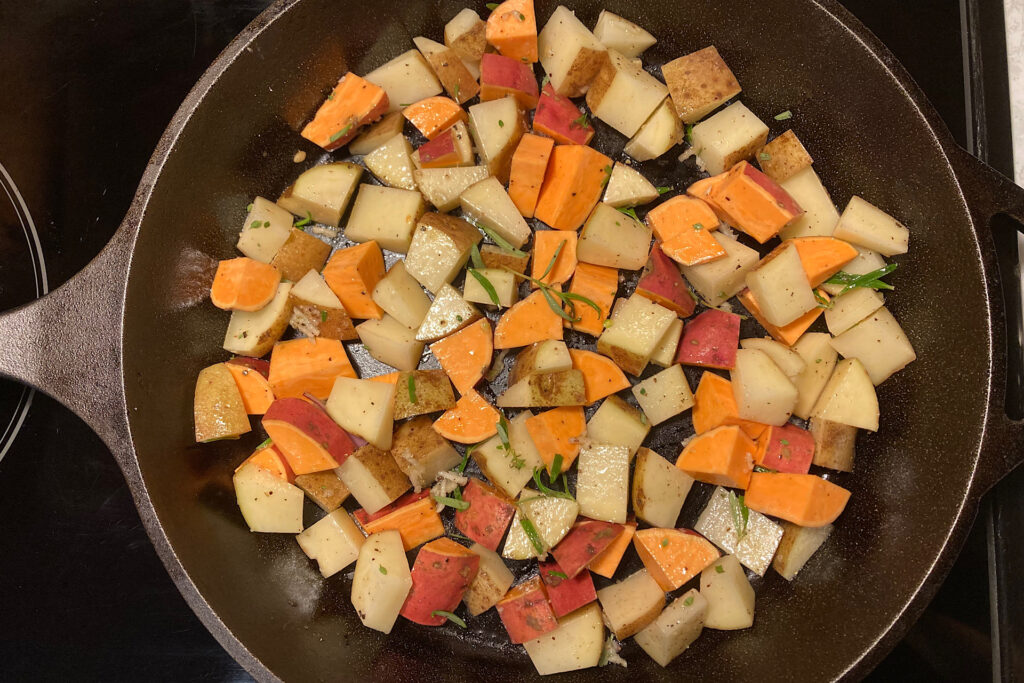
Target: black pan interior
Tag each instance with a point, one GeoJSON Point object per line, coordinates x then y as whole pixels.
{"type": "Point", "coordinates": [867, 138]}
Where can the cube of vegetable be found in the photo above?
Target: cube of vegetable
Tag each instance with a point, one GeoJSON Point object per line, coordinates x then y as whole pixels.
{"type": "Point", "coordinates": [788, 360]}
{"type": "Point", "coordinates": [631, 604]}
{"type": "Point", "coordinates": [834, 444]}
{"type": "Point", "coordinates": [501, 76]}
{"type": "Point", "coordinates": [576, 644]}
{"type": "Point", "coordinates": [525, 612]}
{"type": "Point", "coordinates": [658, 134]}
{"type": "Point", "coordinates": [439, 249]}
{"type": "Point", "coordinates": [637, 325]}
{"type": "Point", "coordinates": [323, 488]}
{"type": "Point", "coordinates": [611, 238]}
{"type": "Point", "coordinates": [373, 477]}
{"type": "Point", "coordinates": [785, 449]}
{"type": "Point", "coordinates": [267, 504]}
{"type": "Point", "coordinates": [659, 489]}
{"type": "Point", "coordinates": [683, 225]}
{"type": "Point", "coordinates": [558, 118]}
{"type": "Point", "coordinates": [512, 29]}
{"type": "Point", "coordinates": [673, 556]}
{"type": "Point", "coordinates": [488, 515]}
{"type": "Point", "coordinates": [529, 321]}
{"type": "Point", "coordinates": [496, 127]}
{"type": "Point", "coordinates": [675, 629]}
{"type": "Point", "coordinates": [787, 334]}
{"type": "Point", "coordinates": [796, 548]}
{"type": "Point", "coordinates": [420, 392]}
{"type": "Point", "coordinates": [550, 517]}
{"type": "Point", "coordinates": [265, 229]}
{"type": "Point", "coordinates": [722, 278]}
{"type": "Point", "coordinates": [441, 574]}
{"type": "Point", "coordinates": [371, 138]}
{"type": "Point", "coordinates": [419, 451]}
{"type": "Point", "coordinates": [564, 594]}
{"type": "Point", "coordinates": [399, 295]}
{"type": "Point", "coordinates": [406, 78]}
{"type": "Point", "coordinates": [819, 358]}
{"type": "Point", "coordinates": [491, 583]}
{"type": "Point", "coordinates": [365, 408]}
{"type": "Point", "coordinates": [554, 256]}
{"type": "Point", "coordinates": [664, 395]}
{"type": "Point", "coordinates": [622, 34]}
{"type": "Point", "coordinates": [465, 355]}
{"type": "Point", "coordinates": [386, 215]}
{"type": "Point", "coordinates": [353, 103]}
{"type": "Point", "coordinates": [504, 283]}
{"type": "Point", "coordinates": [307, 366]}
{"type": "Point", "coordinates": [729, 595]}
{"type": "Point", "coordinates": [443, 186]}
{"type": "Point", "coordinates": [334, 542]}
{"type": "Point", "coordinates": [434, 115]}
{"type": "Point", "coordinates": [323, 192]}
{"type": "Point", "coordinates": [466, 34]}
{"type": "Point", "coordinates": [661, 283]}
{"type": "Point", "coordinates": [618, 423]}
{"type": "Point", "coordinates": [542, 357]}
{"type": "Point", "coordinates": [730, 136]}
{"type": "Point", "coordinates": [587, 539]}
{"type": "Point", "coordinates": [722, 456]}
{"type": "Point", "coordinates": [599, 284]}
{"type": "Point", "coordinates": [601, 376]}
{"type": "Point", "coordinates": [329, 321]}
{"type": "Point", "coordinates": [626, 187]}
{"type": "Point", "coordinates": [802, 499]}
{"type": "Point", "coordinates": [488, 203]}
{"type": "Point", "coordinates": [865, 225]}
{"type": "Point", "coordinates": [820, 215]}
{"type": "Point", "coordinates": [562, 388]}
{"type": "Point", "coordinates": [715, 405]}
{"type": "Point", "coordinates": [754, 203]}
{"type": "Point", "coordinates": [453, 147]}
{"type": "Point", "coordinates": [473, 419]}
{"type": "Point", "coordinates": [784, 157]}
{"type": "Point", "coordinates": [879, 343]}
{"type": "Point", "coordinates": [557, 431]}
{"type": "Point", "coordinates": [623, 95]}
{"type": "Point", "coordinates": [391, 342]}
{"type": "Point", "coordinates": [413, 515]}
{"type": "Point", "coordinates": [781, 287]}
{"type": "Point", "coordinates": [308, 439]}
{"type": "Point", "coordinates": [500, 466]}
{"type": "Point", "coordinates": [526, 175]}
{"type": "Point", "coordinates": [763, 392]}
{"type": "Point", "coordinates": [602, 485]}
{"type": "Point", "coordinates": [392, 163]}
{"type": "Point", "coordinates": [218, 408]}
{"type": "Point", "coordinates": [352, 274]}
{"type": "Point", "coordinates": [381, 581]}
{"type": "Point", "coordinates": [849, 397]}
{"type": "Point", "coordinates": [710, 340]}
{"type": "Point", "coordinates": [572, 187]}
{"type": "Point", "coordinates": [747, 534]}
{"type": "Point", "coordinates": [700, 83]}
{"type": "Point", "coordinates": [607, 562]}
{"type": "Point", "coordinates": [569, 52]}
{"type": "Point", "coordinates": [457, 80]}
{"type": "Point", "coordinates": [448, 313]}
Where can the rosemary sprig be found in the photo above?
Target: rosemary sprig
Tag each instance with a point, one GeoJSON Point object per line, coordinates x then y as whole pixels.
{"type": "Point", "coordinates": [456, 503]}
{"type": "Point", "coordinates": [551, 263]}
{"type": "Point", "coordinates": [554, 296]}
{"type": "Point", "coordinates": [411, 385]}
{"type": "Point", "coordinates": [492, 293]}
{"type": "Point", "coordinates": [475, 258]}
{"type": "Point", "coordinates": [556, 467]}
{"type": "Point", "coordinates": [500, 241]}
{"type": "Point", "coordinates": [506, 445]}
{"type": "Point", "coordinates": [305, 221]}
{"type": "Point", "coordinates": [872, 280]}
{"type": "Point", "coordinates": [547, 490]}
{"type": "Point", "coordinates": [531, 533]}
{"type": "Point", "coordinates": [629, 211]}
{"type": "Point", "coordinates": [454, 618]}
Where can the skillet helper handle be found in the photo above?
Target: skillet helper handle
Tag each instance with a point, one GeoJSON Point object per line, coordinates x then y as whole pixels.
{"type": "Point", "coordinates": [68, 343]}
{"type": "Point", "coordinates": [989, 194]}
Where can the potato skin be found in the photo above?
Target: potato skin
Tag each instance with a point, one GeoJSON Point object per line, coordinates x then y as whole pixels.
{"type": "Point", "coordinates": [698, 83]}
{"type": "Point", "coordinates": [299, 254]}
{"type": "Point", "coordinates": [433, 392]}
{"type": "Point", "coordinates": [440, 577]}
{"type": "Point", "coordinates": [217, 407]}
{"type": "Point", "coordinates": [324, 489]}
{"type": "Point", "coordinates": [383, 468]}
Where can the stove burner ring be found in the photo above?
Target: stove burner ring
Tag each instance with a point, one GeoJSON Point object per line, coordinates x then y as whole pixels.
{"type": "Point", "coordinates": [16, 418]}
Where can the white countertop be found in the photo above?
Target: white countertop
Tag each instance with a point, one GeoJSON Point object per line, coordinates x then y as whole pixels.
{"type": "Point", "coordinates": [1014, 13]}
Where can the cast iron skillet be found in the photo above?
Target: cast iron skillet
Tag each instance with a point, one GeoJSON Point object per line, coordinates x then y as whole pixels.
{"type": "Point", "coordinates": [121, 343]}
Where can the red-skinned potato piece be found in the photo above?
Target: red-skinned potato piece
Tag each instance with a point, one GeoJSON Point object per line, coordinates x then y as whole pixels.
{"type": "Point", "coordinates": [662, 283]}
{"type": "Point", "coordinates": [488, 515]}
{"type": "Point", "coordinates": [501, 76]}
{"type": "Point", "coordinates": [565, 594]}
{"type": "Point", "coordinates": [414, 516]}
{"type": "Point", "coordinates": [785, 449]}
{"type": "Point", "coordinates": [526, 612]}
{"type": "Point", "coordinates": [710, 340]}
{"type": "Point", "coordinates": [306, 435]}
{"type": "Point", "coordinates": [585, 541]}
{"type": "Point", "coordinates": [560, 119]}
{"type": "Point", "coordinates": [441, 152]}
{"type": "Point", "coordinates": [440, 575]}
{"type": "Point", "coordinates": [752, 202]}
{"type": "Point", "coordinates": [353, 103]}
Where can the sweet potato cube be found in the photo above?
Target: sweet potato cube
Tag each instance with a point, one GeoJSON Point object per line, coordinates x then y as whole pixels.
{"type": "Point", "coordinates": [256, 392]}
{"type": "Point", "coordinates": [308, 366]}
{"type": "Point", "coordinates": [555, 248]}
{"type": "Point", "coordinates": [558, 118]}
{"type": "Point", "coordinates": [662, 283]}
{"type": "Point", "coordinates": [785, 449]}
{"type": "Point", "coordinates": [414, 516]}
{"type": "Point", "coordinates": [434, 115]}
{"type": "Point", "coordinates": [607, 562]}
{"type": "Point", "coordinates": [353, 103]}
{"type": "Point", "coordinates": [352, 273]}
{"type": "Point", "coordinates": [822, 257]}
{"type": "Point", "coordinates": [271, 459]}
{"type": "Point", "coordinates": [512, 29]}
{"type": "Point", "coordinates": [421, 452]}
{"type": "Point", "coordinates": [674, 556]}
{"type": "Point", "coordinates": [710, 340]}
{"type": "Point", "coordinates": [566, 594]}
{"type": "Point", "coordinates": [472, 420]}
{"type": "Point", "coordinates": [501, 76]}
{"type": "Point", "coordinates": [715, 405]}
{"type": "Point", "coordinates": [683, 225]}
{"type": "Point", "coordinates": [601, 376]}
{"type": "Point", "coordinates": [754, 203]}
{"type": "Point", "coordinates": [466, 355]}
{"type": "Point", "coordinates": [488, 515]}
{"type": "Point", "coordinates": [784, 157]}
{"type": "Point", "coordinates": [599, 284]}
{"type": "Point", "coordinates": [558, 431]}
{"type": "Point", "coordinates": [699, 83]}
{"type": "Point", "coordinates": [723, 456]}
{"type": "Point", "coordinates": [526, 174]}
{"type": "Point", "coordinates": [526, 612]}
{"type": "Point", "coordinates": [587, 539]}
{"type": "Point", "coordinates": [442, 572]}
{"type": "Point", "coordinates": [802, 499]}
{"type": "Point", "coordinates": [572, 186]}
{"type": "Point", "coordinates": [527, 322]}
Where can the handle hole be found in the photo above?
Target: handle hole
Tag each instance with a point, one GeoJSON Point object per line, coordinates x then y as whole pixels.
{"type": "Point", "coordinates": [1008, 236]}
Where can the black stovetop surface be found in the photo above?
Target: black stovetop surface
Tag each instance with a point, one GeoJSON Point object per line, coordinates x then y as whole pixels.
{"type": "Point", "coordinates": [87, 88]}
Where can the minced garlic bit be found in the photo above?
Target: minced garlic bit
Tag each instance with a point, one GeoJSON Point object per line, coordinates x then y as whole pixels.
{"type": "Point", "coordinates": [447, 482]}
{"type": "Point", "coordinates": [323, 231]}
{"type": "Point", "coordinates": [299, 157]}
{"type": "Point", "coordinates": [304, 321]}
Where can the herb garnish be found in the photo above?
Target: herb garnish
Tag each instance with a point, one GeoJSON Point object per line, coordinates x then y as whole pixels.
{"type": "Point", "coordinates": [531, 533]}
{"type": "Point", "coordinates": [492, 6]}
{"type": "Point", "coordinates": [323, 316]}
{"type": "Point", "coordinates": [629, 211]}
{"type": "Point", "coordinates": [551, 263]}
{"type": "Point", "coordinates": [784, 115]}
{"type": "Point", "coordinates": [411, 384]}
{"type": "Point", "coordinates": [383, 569]}
{"type": "Point", "coordinates": [740, 515]}
{"type": "Point", "coordinates": [558, 575]}
{"type": "Point", "coordinates": [454, 618]}
{"type": "Point", "coordinates": [607, 323]}
{"type": "Point", "coordinates": [698, 226]}
{"type": "Point", "coordinates": [465, 457]}
{"type": "Point", "coordinates": [664, 543]}
{"type": "Point", "coordinates": [547, 490]}
{"type": "Point", "coordinates": [872, 280]}
{"type": "Point", "coordinates": [248, 208]}
{"type": "Point", "coordinates": [688, 601]}
{"type": "Point", "coordinates": [822, 301]}
{"type": "Point", "coordinates": [492, 293]}
{"type": "Point", "coordinates": [544, 81]}
{"type": "Point", "coordinates": [475, 258]}
{"type": "Point", "coordinates": [556, 467]}
{"type": "Point", "coordinates": [557, 299]}
{"type": "Point", "coordinates": [689, 134]}
{"type": "Point", "coordinates": [501, 241]}
{"type": "Point", "coordinates": [506, 445]}
{"type": "Point", "coordinates": [720, 569]}
{"type": "Point", "coordinates": [580, 122]}
{"type": "Point", "coordinates": [607, 170]}
{"type": "Point", "coordinates": [344, 131]}
{"type": "Point", "coordinates": [764, 156]}
{"type": "Point", "coordinates": [305, 221]}
{"type": "Point", "coordinates": [265, 444]}
{"type": "Point", "coordinates": [457, 88]}
{"type": "Point", "coordinates": [663, 190]}
{"type": "Point", "coordinates": [760, 468]}
{"type": "Point", "coordinates": [456, 503]}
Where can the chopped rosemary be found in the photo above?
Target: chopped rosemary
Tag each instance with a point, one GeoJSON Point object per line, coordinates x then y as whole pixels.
{"type": "Point", "coordinates": [265, 444]}
{"type": "Point", "coordinates": [740, 515]}
{"type": "Point", "coordinates": [458, 87]}
{"type": "Point", "coordinates": [664, 543]}
{"type": "Point", "coordinates": [500, 241]}
{"type": "Point", "coordinates": [454, 618]}
{"type": "Point", "coordinates": [698, 226]}
{"type": "Point", "coordinates": [872, 280]}
{"type": "Point", "coordinates": [323, 316]}
{"type": "Point", "coordinates": [248, 209]}
{"type": "Point", "coordinates": [383, 570]}
{"type": "Point", "coordinates": [547, 490]}
{"type": "Point", "coordinates": [341, 133]}
{"type": "Point", "coordinates": [556, 467]}
{"type": "Point", "coordinates": [506, 445]}
{"type": "Point", "coordinates": [531, 533]}
{"type": "Point", "coordinates": [544, 81]}
{"type": "Point", "coordinates": [475, 258]}
{"type": "Point", "coordinates": [663, 190]}
{"type": "Point", "coordinates": [305, 221]}
{"type": "Point", "coordinates": [456, 503]}
{"type": "Point", "coordinates": [629, 211]}
{"type": "Point", "coordinates": [554, 258]}
{"type": "Point", "coordinates": [558, 299]}
{"type": "Point", "coordinates": [607, 170]}
{"type": "Point", "coordinates": [411, 385]}
{"type": "Point", "coordinates": [759, 468]}
{"type": "Point", "coordinates": [784, 115]}
{"type": "Point", "coordinates": [580, 122]}
{"type": "Point", "coordinates": [492, 6]}
{"type": "Point", "coordinates": [492, 293]}
{"type": "Point", "coordinates": [688, 601]}
{"type": "Point", "coordinates": [558, 575]}
{"type": "Point", "coordinates": [501, 124]}
{"type": "Point", "coordinates": [465, 457]}
{"type": "Point", "coordinates": [719, 569]}
{"type": "Point", "coordinates": [822, 301]}
{"type": "Point", "coordinates": [689, 134]}
{"type": "Point", "coordinates": [764, 156]}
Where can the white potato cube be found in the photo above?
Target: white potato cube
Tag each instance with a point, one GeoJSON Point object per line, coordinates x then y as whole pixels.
{"type": "Point", "coordinates": [675, 629]}
{"type": "Point", "coordinates": [323, 192]}
{"type": "Point", "coordinates": [439, 249]}
{"type": "Point", "coordinates": [659, 489]}
{"type": "Point", "coordinates": [631, 604]}
{"type": "Point", "coordinates": [798, 545]}
{"type": "Point", "coordinates": [763, 392]}
{"type": "Point", "coordinates": [496, 126]}
{"type": "Point", "coordinates": [401, 297]}
{"type": "Point", "coordinates": [849, 397]}
{"type": "Point", "coordinates": [551, 517]}
{"type": "Point", "coordinates": [788, 360]}
{"type": "Point", "coordinates": [503, 282]}
{"type": "Point", "coordinates": [660, 132]}
{"type": "Point", "coordinates": [442, 187]}
{"type": "Point", "coordinates": [819, 216]}
{"type": "Point", "coordinates": [392, 163]}
{"type": "Point", "coordinates": [755, 548]}
{"type": "Point", "coordinates": [550, 355]}
{"type": "Point", "coordinates": [365, 408]}
{"type": "Point", "coordinates": [602, 485]}
{"type": "Point", "coordinates": [576, 644]}
{"type": "Point", "coordinates": [391, 342]}
{"type": "Point", "coordinates": [728, 137]}
{"type": "Point", "coordinates": [623, 95]}
{"type": "Point", "coordinates": [815, 348]}
{"type": "Point", "coordinates": [866, 261]}
{"type": "Point", "coordinates": [373, 477]}
{"type": "Point", "coordinates": [834, 444]}
{"type": "Point", "coordinates": [569, 52]}
{"type": "Point", "coordinates": [334, 542]}
{"type": "Point", "coordinates": [723, 278]}
{"type": "Point", "coordinates": [879, 343]}
{"type": "Point", "coordinates": [253, 333]}
{"type": "Point", "coordinates": [312, 288]}
{"type": "Point", "coordinates": [637, 325]}
{"type": "Point", "coordinates": [266, 228]}
{"type": "Point", "coordinates": [492, 581]}
{"type": "Point", "coordinates": [611, 238]}
{"type": "Point", "coordinates": [664, 395]}
{"type": "Point", "coordinates": [626, 187]}
{"type": "Point", "coordinates": [268, 504]}
{"type": "Point", "coordinates": [406, 79]}
{"type": "Point", "coordinates": [448, 313]}
{"type": "Point", "coordinates": [385, 214]}
{"type": "Point", "coordinates": [780, 286]}
{"type": "Point", "coordinates": [382, 580]}
{"type": "Point", "coordinates": [617, 422]}
{"type": "Point", "coordinates": [665, 352]}
{"type": "Point", "coordinates": [850, 308]}
{"type": "Point", "coordinates": [729, 594]}
{"type": "Point", "coordinates": [499, 466]}
{"type": "Point", "coordinates": [378, 133]}
{"type": "Point", "coordinates": [488, 203]}
{"type": "Point", "coordinates": [466, 34]}
{"type": "Point", "coordinates": [865, 225]}
{"type": "Point", "coordinates": [622, 34]}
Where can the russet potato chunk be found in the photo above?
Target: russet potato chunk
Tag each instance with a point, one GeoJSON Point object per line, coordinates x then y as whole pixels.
{"type": "Point", "coordinates": [421, 452]}
{"type": "Point", "coordinates": [391, 342]}
{"type": "Point", "coordinates": [569, 53]}
{"type": "Point", "coordinates": [623, 95]}
{"type": "Point", "coordinates": [443, 187]}
{"type": "Point", "coordinates": [700, 83]}
{"type": "Point", "coordinates": [255, 333]}
{"type": "Point", "coordinates": [631, 604]}
{"type": "Point", "coordinates": [621, 34]}
{"type": "Point", "coordinates": [265, 229]}
{"type": "Point", "coordinates": [385, 214]}
{"type": "Point", "coordinates": [373, 477]}
{"type": "Point", "coordinates": [391, 162]}
{"type": "Point", "coordinates": [406, 79]}
{"type": "Point", "coordinates": [617, 422]}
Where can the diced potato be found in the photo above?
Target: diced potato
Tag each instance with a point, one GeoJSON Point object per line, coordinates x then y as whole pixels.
{"type": "Point", "coordinates": [788, 360]}
{"type": "Point", "coordinates": [879, 343]}
{"type": "Point", "coordinates": [323, 192]}
{"type": "Point", "coordinates": [497, 257]}
{"type": "Point", "coordinates": [391, 342]}
{"type": "Point", "coordinates": [448, 313]}
{"type": "Point", "coordinates": [602, 485]}
{"type": "Point", "coordinates": [665, 352]}
{"type": "Point", "coordinates": [545, 356]}
{"type": "Point", "coordinates": [551, 517]}
{"type": "Point", "coordinates": [266, 228]}
{"type": "Point", "coordinates": [675, 629]}
{"type": "Point", "coordinates": [456, 79]}
{"type": "Point", "coordinates": [611, 238]}
{"type": "Point", "coordinates": [503, 282]}
{"type": "Point", "coordinates": [488, 203]}
{"type": "Point", "coordinates": [439, 249]}
{"type": "Point", "coordinates": [730, 596]}
{"type": "Point", "coordinates": [780, 286]}
{"type": "Point", "coordinates": [798, 545]}
{"type": "Point", "coordinates": [865, 225]}
{"type": "Point", "coordinates": [500, 467]}
{"type": "Point", "coordinates": [401, 297]}
{"type": "Point", "coordinates": [466, 34]}
{"type": "Point", "coordinates": [819, 216]}
{"type": "Point", "coordinates": [850, 308]}
{"type": "Point", "coordinates": [728, 137]}
{"type": "Point", "coordinates": [815, 348]}
{"type": "Point", "coordinates": [763, 392]}
{"type": "Point", "coordinates": [562, 388]}
{"type": "Point", "coordinates": [267, 504]}
{"type": "Point", "coordinates": [622, 35]}
{"type": "Point", "coordinates": [664, 395]}
{"type": "Point", "coordinates": [382, 580]}
{"type": "Point", "coordinates": [323, 488]}
{"type": "Point", "coordinates": [631, 604]}
{"type": "Point", "coordinates": [723, 278]}
{"type": "Point", "coordinates": [659, 489]}
{"type": "Point", "coordinates": [849, 397]}
{"type": "Point", "coordinates": [385, 214]}
{"type": "Point", "coordinates": [700, 83]}
{"type": "Point", "coordinates": [365, 408]}
{"type": "Point", "coordinates": [442, 187]}
{"type": "Point", "coordinates": [866, 261]}
{"type": "Point", "coordinates": [420, 392]}
{"type": "Point", "coordinates": [755, 548]}
{"type": "Point", "coordinates": [392, 163]}
{"type": "Point", "coordinates": [623, 95]}
{"type": "Point", "coordinates": [300, 253]}
{"type": "Point", "coordinates": [576, 644]}
{"type": "Point", "coordinates": [334, 542]}
{"type": "Point", "coordinates": [497, 126]}
{"type": "Point", "coordinates": [373, 477]}
{"type": "Point", "coordinates": [451, 148]}
{"type": "Point", "coordinates": [406, 79]}
{"type": "Point", "coordinates": [784, 157]}
{"type": "Point", "coordinates": [834, 444]}
{"type": "Point", "coordinates": [492, 581]}
{"type": "Point", "coordinates": [255, 333]}
{"type": "Point", "coordinates": [637, 325]}
{"type": "Point", "coordinates": [312, 289]}
{"type": "Point", "coordinates": [218, 409]}
{"type": "Point", "coordinates": [569, 52]}
{"type": "Point", "coordinates": [626, 187]}
{"type": "Point", "coordinates": [376, 135]}
{"type": "Point", "coordinates": [660, 132]}
{"type": "Point", "coordinates": [420, 452]}
{"type": "Point", "coordinates": [617, 422]}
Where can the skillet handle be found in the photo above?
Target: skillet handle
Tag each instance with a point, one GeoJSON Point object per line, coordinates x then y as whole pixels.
{"type": "Point", "coordinates": [993, 199]}
{"type": "Point", "coordinates": [68, 343]}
